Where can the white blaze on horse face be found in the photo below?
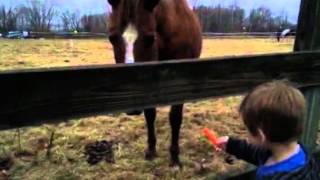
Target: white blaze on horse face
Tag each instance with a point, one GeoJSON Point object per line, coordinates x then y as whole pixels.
{"type": "Point", "coordinates": [130, 36]}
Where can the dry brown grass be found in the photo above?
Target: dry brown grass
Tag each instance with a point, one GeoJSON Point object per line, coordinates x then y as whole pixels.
{"type": "Point", "coordinates": [232, 47]}
{"type": "Point", "coordinates": [68, 161]}
{"type": "Point", "coordinates": [21, 54]}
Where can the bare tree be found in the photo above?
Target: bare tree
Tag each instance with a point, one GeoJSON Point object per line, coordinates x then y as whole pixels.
{"type": "Point", "coordinates": [3, 18]}
{"type": "Point", "coordinates": [75, 21]}
{"type": "Point", "coordinates": [65, 18]}
{"type": "Point", "coordinates": [40, 15]}
{"type": "Point", "coordinates": [8, 19]}
{"type": "Point", "coordinates": [94, 23]}
{"type": "Point", "coordinates": [71, 21]}
{"type": "Point", "coordinates": [22, 20]}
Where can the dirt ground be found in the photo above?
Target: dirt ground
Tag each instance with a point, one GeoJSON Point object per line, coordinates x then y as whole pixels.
{"type": "Point", "coordinates": [27, 148]}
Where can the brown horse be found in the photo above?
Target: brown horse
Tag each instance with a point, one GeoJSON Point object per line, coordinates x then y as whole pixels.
{"type": "Point", "coordinates": [167, 29]}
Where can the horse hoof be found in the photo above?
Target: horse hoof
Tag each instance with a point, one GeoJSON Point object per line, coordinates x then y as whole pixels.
{"type": "Point", "coordinates": [150, 154]}
{"type": "Point", "coordinates": [175, 164]}
{"type": "Point", "coordinates": [134, 113]}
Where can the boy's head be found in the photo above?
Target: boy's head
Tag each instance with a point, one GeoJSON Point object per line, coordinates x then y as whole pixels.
{"type": "Point", "coordinates": [275, 109]}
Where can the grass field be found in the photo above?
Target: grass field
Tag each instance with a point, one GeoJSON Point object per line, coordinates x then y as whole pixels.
{"type": "Point", "coordinates": [67, 160]}
{"type": "Point", "coordinates": [22, 54]}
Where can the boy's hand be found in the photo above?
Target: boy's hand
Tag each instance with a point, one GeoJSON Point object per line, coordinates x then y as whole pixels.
{"type": "Point", "coordinates": [221, 143]}
{"type": "Point", "coordinates": [218, 143]}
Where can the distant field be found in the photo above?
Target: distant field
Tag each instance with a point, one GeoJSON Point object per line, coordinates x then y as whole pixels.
{"type": "Point", "coordinates": [20, 54]}
{"type": "Point", "coordinates": [16, 54]}
{"type": "Point", "coordinates": [67, 160]}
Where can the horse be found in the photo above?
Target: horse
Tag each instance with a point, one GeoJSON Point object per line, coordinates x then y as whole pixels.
{"type": "Point", "coordinates": [166, 29]}
{"type": "Point", "coordinates": [285, 33]}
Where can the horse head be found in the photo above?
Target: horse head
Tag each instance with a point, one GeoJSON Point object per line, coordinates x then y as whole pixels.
{"type": "Point", "coordinates": [141, 14]}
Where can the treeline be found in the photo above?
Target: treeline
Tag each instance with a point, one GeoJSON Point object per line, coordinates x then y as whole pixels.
{"type": "Point", "coordinates": [233, 19]}
{"type": "Point", "coordinates": [35, 16]}
{"type": "Point", "coordinates": [40, 16]}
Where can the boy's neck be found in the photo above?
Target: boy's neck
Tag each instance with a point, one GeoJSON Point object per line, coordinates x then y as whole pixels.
{"type": "Point", "coordinates": [282, 152]}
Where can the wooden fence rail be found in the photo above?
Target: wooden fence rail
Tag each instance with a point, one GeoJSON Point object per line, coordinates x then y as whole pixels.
{"type": "Point", "coordinates": [68, 35]}
{"type": "Point", "coordinates": [245, 34]}
{"type": "Point", "coordinates": [89, 35]}
{"type": "Point", "coordinates": [33, 97]}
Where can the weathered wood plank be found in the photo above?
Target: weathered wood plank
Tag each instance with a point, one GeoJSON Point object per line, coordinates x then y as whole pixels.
{"type": "Point", "coordinates": [308, 38]}
{"type": "Point", "coordinates": [311, 125]}
{"type": "Point", "coordinates": [308, 32]}
{"type": "Point", "coordinates": [241, 35]}
{"type": "Point", "coordinates": [51, 95]}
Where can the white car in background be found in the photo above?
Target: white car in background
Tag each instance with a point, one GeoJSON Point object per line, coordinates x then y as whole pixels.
{"type": "Point", "coordinates": [17, 34]}
{"type": "Point", "coordinates": [14, 35]}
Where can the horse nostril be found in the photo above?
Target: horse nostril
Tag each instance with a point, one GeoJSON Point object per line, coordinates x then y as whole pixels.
{"type": "Point", "coordinates": [149, 39]}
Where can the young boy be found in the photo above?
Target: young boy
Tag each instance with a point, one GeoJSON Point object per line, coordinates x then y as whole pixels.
{"type": "Point", "coordinates": [273, 114]}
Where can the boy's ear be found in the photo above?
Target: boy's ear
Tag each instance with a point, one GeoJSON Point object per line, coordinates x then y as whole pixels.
{"type": "Point", "coordinates": [149, 5]}
{"type": "Point", "coordinates": [114, 3]}
{"type": "Point", "coordinates": [262, 136]}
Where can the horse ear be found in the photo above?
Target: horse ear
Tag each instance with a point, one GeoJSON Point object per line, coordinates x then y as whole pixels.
{"type": "Point", "coordinates": [114, 3]}
{"type": "Point", "coordinates": [150, 4]}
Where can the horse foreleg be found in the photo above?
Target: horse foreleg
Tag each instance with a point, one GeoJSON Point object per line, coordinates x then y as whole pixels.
{"type": "Point", "coordinates": [150, 115]}
{"type": "Point", "coordinates": [175, 122]}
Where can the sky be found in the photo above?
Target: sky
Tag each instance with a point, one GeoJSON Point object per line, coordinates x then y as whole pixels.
{"type": "Point", "coordinates": [278, 7]}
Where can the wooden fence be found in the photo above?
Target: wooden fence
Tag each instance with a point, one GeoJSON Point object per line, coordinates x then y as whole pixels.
{"type": "Point", "coordinates": [88, 35]}
{"type": "Point", "coordinates": [242, 35]}
{"type": "Point", "coordinates": [67, 35]}
{"type": "Point", "coordinates": [38, 96]}
{"type": "Point", "coordinates": [52, 95]}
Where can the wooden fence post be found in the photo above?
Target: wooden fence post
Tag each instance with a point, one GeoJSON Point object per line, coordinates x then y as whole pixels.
{"type": "Point", "coordinates": [311, 124]}
{"type": "Point", "coordinates": [308, 38]}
